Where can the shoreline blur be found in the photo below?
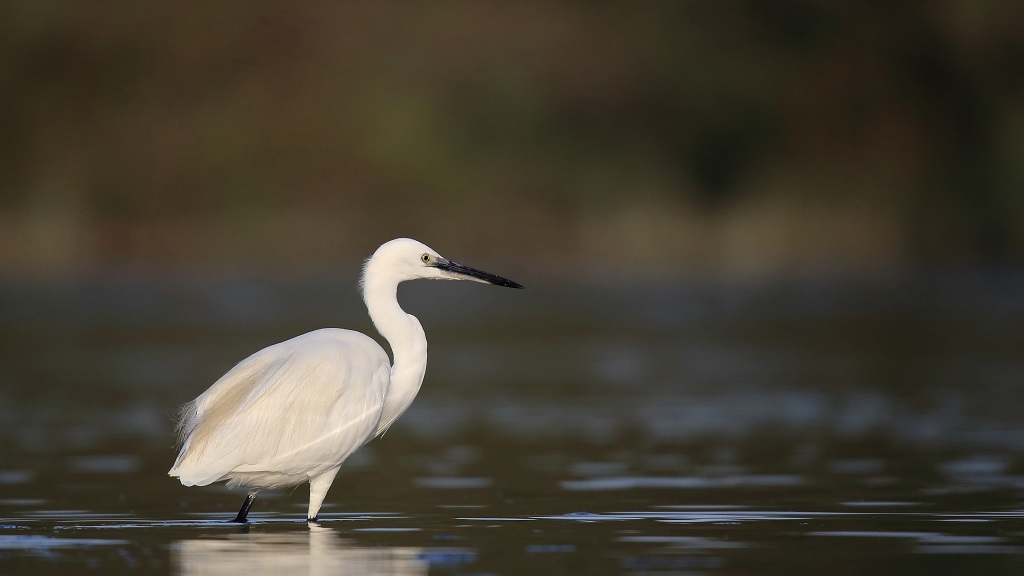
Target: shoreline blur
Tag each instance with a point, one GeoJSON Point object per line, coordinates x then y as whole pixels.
{"type": "Point", "coordinates": [726, 139]}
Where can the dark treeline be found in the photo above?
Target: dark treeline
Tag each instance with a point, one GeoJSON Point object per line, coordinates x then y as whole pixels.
{"type": "Point", "coordinates": [763, 137]}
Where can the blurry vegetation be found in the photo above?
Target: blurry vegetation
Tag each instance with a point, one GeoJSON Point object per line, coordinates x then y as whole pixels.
{"type": "Point", "coordinates": [742, 137]}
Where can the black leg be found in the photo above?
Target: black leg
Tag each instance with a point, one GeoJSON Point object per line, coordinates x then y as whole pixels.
{"type": "Point", "coordinates": [244, 510]}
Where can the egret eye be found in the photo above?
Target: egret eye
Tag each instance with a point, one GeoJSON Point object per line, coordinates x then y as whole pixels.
{"type": "Point", "coordinates": [425, 258]}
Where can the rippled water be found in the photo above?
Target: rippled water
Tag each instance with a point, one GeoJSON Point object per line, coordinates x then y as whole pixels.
{"type": "Point", "coordinates": [680, 428]}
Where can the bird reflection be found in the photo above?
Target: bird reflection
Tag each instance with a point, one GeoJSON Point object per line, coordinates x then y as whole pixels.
{"type": "Point", "coordinates": [318, 551]}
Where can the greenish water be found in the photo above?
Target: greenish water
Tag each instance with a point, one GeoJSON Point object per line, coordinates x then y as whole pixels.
{"type": "Point", "coordinates": [697, 428]}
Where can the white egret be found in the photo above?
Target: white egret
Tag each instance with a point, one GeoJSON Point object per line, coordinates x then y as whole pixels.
{"type": "Point", "coordinates": [293, 412]}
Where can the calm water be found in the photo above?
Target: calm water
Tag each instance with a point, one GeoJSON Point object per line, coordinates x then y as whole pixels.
{"type": "Point", "coordinates": [691, 428]}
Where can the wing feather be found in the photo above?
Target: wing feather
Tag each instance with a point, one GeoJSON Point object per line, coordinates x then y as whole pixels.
{"type": "Point", "coordinates": [291, 410]}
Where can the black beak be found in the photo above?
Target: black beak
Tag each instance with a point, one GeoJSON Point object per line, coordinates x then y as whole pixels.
{"type": "Point", "coordinates": [474, 274]}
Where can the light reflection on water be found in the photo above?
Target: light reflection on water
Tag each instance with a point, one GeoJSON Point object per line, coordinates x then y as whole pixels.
{"type": "Point", "coordinates": [320, 551]}
{"type": "Point", "coordinates": [616, 431]}
{"type": "Point", "coordinates": [726, 537]}
{"type": "Point", "coordinates": [688, 482]}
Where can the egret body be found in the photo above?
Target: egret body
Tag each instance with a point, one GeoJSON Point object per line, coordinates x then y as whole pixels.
{"type": "Point", "coordinates": [293, 412]}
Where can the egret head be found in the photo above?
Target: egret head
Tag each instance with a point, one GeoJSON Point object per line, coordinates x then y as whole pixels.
{"type": "Point", "coordinates": [407, 259]}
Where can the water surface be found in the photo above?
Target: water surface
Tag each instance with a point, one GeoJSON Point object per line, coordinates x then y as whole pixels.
{"type": "Point", "coordinates": [690, 427]}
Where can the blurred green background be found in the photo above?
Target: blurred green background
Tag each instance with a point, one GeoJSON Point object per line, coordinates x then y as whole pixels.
{"type": "Point", "coordinates": [734, 138]}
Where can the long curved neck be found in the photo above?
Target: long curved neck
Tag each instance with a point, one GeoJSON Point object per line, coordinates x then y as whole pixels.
{"type": "Point", "coordinates": [405, 336]}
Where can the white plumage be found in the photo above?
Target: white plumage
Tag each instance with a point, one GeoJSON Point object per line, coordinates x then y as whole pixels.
{"type": "Point", "coordinates": [293, 412]}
